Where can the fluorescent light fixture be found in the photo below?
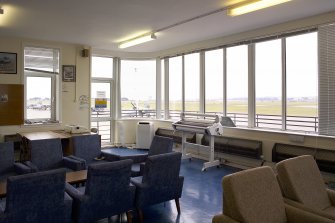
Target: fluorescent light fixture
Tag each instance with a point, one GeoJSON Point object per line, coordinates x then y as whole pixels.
{"type": "Point", "coordinates": [253, 6]}
{"type": "Point", "coordinates": [1, 11]}
{"type": "Point", "coordinates": [137, 40]}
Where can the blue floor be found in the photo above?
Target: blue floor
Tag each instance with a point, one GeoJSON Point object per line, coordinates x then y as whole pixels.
{"type": "Point", "coordinates": [200, 201]}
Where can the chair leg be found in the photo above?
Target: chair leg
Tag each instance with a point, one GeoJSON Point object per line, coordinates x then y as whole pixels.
{"type": "Point", "coordinates": [140, 215]}
{"type": "Point", "coordinates": [129, 217]}
{"type": "Point", "coordinates": [177, 205]}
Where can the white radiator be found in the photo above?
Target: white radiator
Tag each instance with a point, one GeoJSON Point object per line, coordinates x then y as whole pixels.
{"type": "Point", "coordinates": [144, 134]}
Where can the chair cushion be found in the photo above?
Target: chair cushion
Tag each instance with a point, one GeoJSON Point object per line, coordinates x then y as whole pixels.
{"type": "Point", "coordinates": [301, 181]}
{"type": "Point", "coordinates": [330, 210]}
{"type": "Point", "coordinates": [253, 196]}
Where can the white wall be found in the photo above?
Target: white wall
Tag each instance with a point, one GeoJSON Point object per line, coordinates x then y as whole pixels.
{"type": "Point", "coordinates": [70, 92]}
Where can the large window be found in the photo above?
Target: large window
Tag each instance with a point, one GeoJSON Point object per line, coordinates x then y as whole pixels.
{"type": "Point", "coordinates": [237, 84]}
{"type": "Point", "coordinates": [138, 88]}
{"type": "Point", "coordinates": [175, 87]}
{"type": "Point", "coordinates": [214, 81]}
{"type": "Point", "coordinates": [41, 69]}
{"type": "Point", "coordinates": [302, 79]}
{"type": "Point", "coordinates": [268, 72]}
{"type": "Point", "coordinates": [192, 82]}
{"type": "Point", "coordinates": [101, 100]}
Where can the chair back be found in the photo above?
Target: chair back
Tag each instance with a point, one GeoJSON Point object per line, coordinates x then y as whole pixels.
{"type": "Point", "coordinates": [36, 197]}
{"type": "Point", "coordinates": [160, 145]}
{"type": "Point", "coordinates": [253, 196]}
{"type": "Point", "coordinates": [46, 154]}
{"type": "Point", "coordinates": [6, 157]}
{"type": "Point", "coordinates": [300, 180]}
{"type": "Point", "coordinates": [86, 147]}
{"type": "Point", "coordinates": [108, 188]}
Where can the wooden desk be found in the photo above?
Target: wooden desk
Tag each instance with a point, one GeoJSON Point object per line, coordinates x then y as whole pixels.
{"type": "Point", "coordinates": [56, 134]}
{"type": "Point", "coordinates": [71, 178]}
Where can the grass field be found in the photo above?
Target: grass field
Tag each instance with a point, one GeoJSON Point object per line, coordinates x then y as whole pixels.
{"type": "Point", "coordinates": [299, 108]}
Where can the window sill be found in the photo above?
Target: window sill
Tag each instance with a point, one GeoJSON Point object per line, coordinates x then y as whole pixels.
{"type": "Point", "coordinates": [40, 123]}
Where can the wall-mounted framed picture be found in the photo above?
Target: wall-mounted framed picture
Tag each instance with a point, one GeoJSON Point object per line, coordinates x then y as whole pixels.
{"type": "Point", "coordinates": [8, 63]}
{"type": "Point", "coordinates": [69, 73]}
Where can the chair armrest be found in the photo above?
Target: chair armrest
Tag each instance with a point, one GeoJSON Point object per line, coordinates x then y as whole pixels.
{"type": "Point", "coordinates": [331, 195]}
{"type": "Point", "coordinates": [142, 166]}
{"type": "Point", "coordinates": [32, 166]}
{"type": "Point", "coordinates": [20, 168]}
{"type": "Point", "coordinates": [74, 164]}
{"type": "Point", "coordinates": [73, 192]}
{"type": "Point", "coordinates": [296, 215]}
{"type": "Point", "coordinates": [302, 207]}
{"type": "Point", "coordinates": [221, 218]}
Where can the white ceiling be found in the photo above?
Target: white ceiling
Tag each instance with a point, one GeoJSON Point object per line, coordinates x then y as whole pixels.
{"type": "Point", "coordinates": [103, 24]}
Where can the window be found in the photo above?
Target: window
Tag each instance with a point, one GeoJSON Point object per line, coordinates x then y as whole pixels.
{"type": "Point", "coordinates": [175, 87]}
{"type": "Point", "coordinates": [101, 101]}
{"type": "Point", "coordinates": [214, 81]}
{"type": "Point", "coordinates": [302, 79]}
{"type": "Point", "coordinates": [192, 82]}
{"type": "Point", "coordinates": [162, 89]}
{"type": "Point", "coordinates": [237, 84]}
{"type": "Point", "coordinates": [268, 73]}
{"type": "Point", "coordinates": [41, 71]}
{"type": "Point", "coordinates": [138, 88]}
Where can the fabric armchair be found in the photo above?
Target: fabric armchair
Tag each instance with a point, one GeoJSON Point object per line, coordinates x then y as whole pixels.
{"type": "Point", "coordinates": [8, 167]}
{"type": "Point", "coordinates": [254, 196]}
{"type": "Point", "coordinates": [37, 197]}
{"type": "Point", "coordinates": [47, 154]}
{"type": "Point", "coordinates": [108, 192]}
{"type": "Point", "coordinates": [88, 148]}
{"type": "Point", "coordinates": [160, 182]}
{"type": "Point", "coordinates": [159, 145]}
{"type": "Point", "coordinates": [303, 186]}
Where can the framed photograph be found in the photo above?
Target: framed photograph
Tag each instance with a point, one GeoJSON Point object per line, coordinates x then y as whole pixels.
{"type": "Point", "coordinates": [8, 63]}
{"type": "Point", "coordinates": [69, 73]}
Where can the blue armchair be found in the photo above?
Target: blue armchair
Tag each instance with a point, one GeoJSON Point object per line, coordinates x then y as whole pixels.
{"type": "Point", "coordinates": [160, 182]}
{"type": "Point", "coordinates": [108, 192]}
{"type": "Point", "coordinates": [47, 154]}
{"type": "Point", "coordinates": [159, 145]}
{"type": "Point", "coordinates": [88, 148]}
{"type": "Point", "coordinates": [37, 197]}
{"type": "Point", "coordinates": [7, 165]}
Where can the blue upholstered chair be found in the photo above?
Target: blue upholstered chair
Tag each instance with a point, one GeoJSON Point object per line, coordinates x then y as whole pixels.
{"type": "Point", "coordinates": [159, 145]}
{"type": "Point", "coordinates": [160, 181]}
{"type": "Point", "coordinates": [47, 154]}
{"type": "Point", "coordinates": [37, 197]}
{"type": "Point", "coordinates": [108, 192]}
{"type": "Point", "coordinates": [7, 165]}
{"type": "Point", "coordinates": [88, 148]}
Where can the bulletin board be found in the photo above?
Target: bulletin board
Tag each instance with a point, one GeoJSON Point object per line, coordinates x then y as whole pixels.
{"type": "Point", "coordinates": [11, 104]}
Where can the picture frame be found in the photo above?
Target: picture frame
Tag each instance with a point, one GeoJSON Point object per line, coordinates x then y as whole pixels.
{"type": "Point", "coordinates": [69, 73]}
{"type": "Point", "coordinates": [8, 63]}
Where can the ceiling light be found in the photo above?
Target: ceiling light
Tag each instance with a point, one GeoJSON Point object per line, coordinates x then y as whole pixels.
{"type": "Point", "coordinates": [137, 40]}
{"type": "Point", "coordinates": [253, 6]}
{"type": "Point", "coordinates": [1, 11]}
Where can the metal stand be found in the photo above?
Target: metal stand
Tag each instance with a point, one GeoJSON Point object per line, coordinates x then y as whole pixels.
{"type": "Point", "coordinates": [211, 161]}
{"type": "Point", "coordinates": [183, 148]}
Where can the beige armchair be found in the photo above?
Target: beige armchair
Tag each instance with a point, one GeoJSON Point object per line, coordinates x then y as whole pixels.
{"type": "Point", "coordinates": [303, 186]}
{"type": "Point", "coordinates": [254, 196]}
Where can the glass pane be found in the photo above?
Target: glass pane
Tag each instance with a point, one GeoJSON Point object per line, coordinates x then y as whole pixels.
{"type": "Point", "coordinates": [41, 59]}
{"type": "Point", "coordinates": [102, 67]}
{"type": "Point", "coordinates": [302, 99]}
{"type": "Point", "coordinates": [175, 87]}
{"type": "Point", "coordinates": [237, 84]}
{"type": "Point", "coordinates": [100, 100]}
{"type": "Point", "coordinates": [162, 88]}
{"type": "Point", "coordinates": [38, 99]}
{"type": "Point", "coordinates": [214, 81]}
{"type": "Point", "coordinates": [104, 129]}
{"type": "Point", "coordinates": [268, 84]}
{"type": "Point", "coordinates": [192, 82]}
{"type": "Point", "coordinates": [138, 88]}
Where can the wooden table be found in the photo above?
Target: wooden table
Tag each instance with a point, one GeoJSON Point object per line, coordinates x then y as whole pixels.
{"type": "Point", "coordinates": [56, 134]}
{"type": "Point", "coordinates": [71, 178]}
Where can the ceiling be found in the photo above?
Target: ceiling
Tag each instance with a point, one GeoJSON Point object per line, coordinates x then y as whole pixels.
{"type": "Point", "coordinates": [103, 24]}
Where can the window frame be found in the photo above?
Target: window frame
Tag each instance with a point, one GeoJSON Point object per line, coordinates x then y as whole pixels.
{"type": "Point", "coordinates": [55, 92]}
